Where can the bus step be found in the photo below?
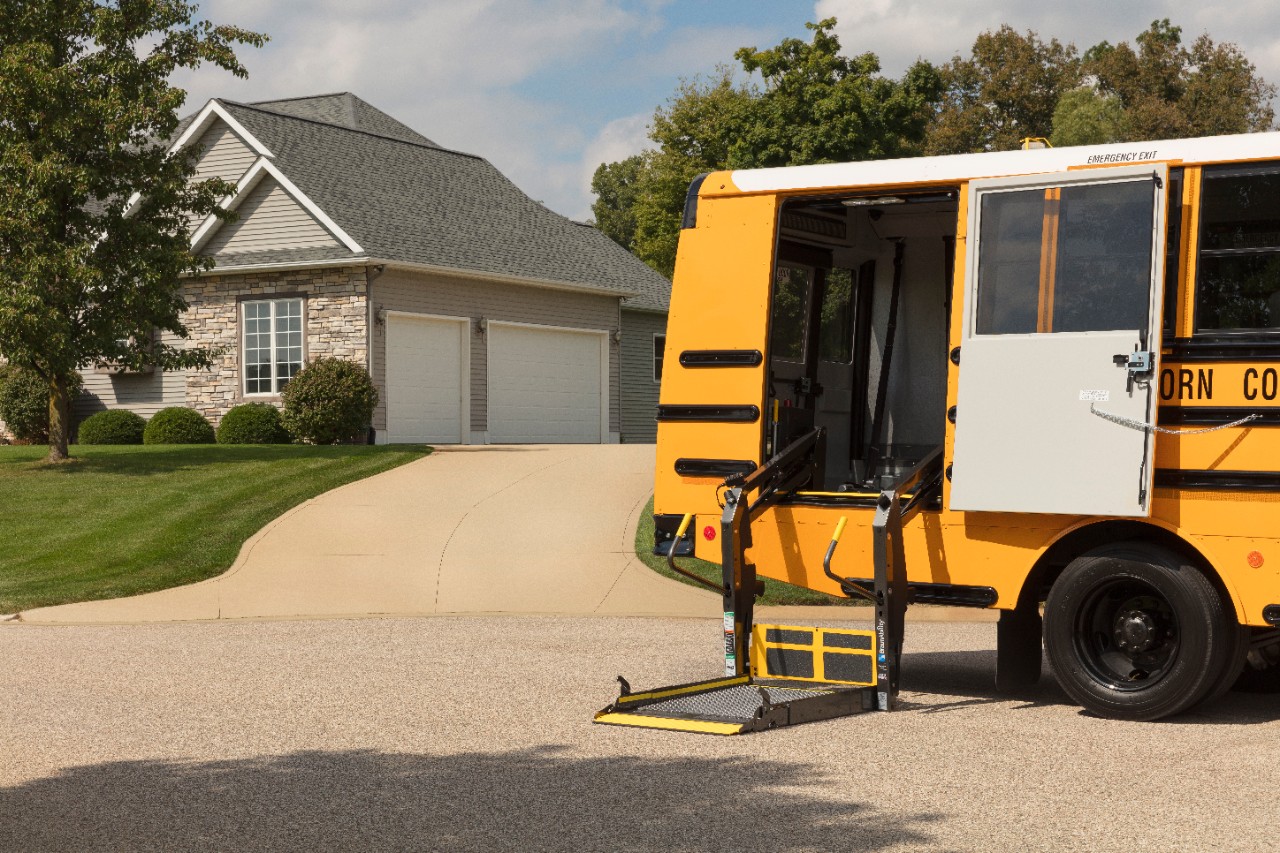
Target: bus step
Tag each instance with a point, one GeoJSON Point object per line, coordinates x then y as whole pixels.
{"type": "Point", "coordinates": [798, 675]}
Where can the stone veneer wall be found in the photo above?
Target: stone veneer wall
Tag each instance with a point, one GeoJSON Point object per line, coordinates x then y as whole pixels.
{"type": "Point", "coordinates": [336, 324]}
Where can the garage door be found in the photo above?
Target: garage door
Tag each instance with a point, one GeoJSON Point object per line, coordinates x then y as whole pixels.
{"type": "Point", "coordinates": [425, 390]}
{"type": "Point", "coordinates": [545, 385]}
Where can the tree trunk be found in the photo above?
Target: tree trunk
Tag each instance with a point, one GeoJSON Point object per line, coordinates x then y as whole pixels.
{"type": "Point", "coordinates": [59, 420]}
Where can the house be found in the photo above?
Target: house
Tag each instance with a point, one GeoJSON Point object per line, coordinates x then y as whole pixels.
{"type": "Point", "coordinates": [482, 316]}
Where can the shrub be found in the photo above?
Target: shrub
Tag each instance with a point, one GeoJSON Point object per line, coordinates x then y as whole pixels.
{"type": "Point", "coordinates": [117, 426]}
{"type": "Point", "coordinates": [330, 400]}
{"type": "Point", "coordinates": [252, 423]}
{"type": "Point", "coordinates": [24, 403]}
{"type": "Point", "coordinates": [176, 425]}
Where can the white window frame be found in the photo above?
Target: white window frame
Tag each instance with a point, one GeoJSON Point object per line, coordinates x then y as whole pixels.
{"type": "Point", "coordinates": [659, 353]}
{"type": "Point", "coordinates": [244, 348]}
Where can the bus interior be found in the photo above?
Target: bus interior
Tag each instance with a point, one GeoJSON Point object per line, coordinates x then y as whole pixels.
{"type": "Point", "coordinates": [858, 336]}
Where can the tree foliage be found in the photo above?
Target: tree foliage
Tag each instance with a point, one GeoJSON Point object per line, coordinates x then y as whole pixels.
{"type": "Point", "coordinates": [93, 219]}
{"type": "Point", "coordinates": [812, 105]}
{"type": "Point", "coordinates": [1005, 91]}
{"type": "Point", "coordinates": [1169, 91]}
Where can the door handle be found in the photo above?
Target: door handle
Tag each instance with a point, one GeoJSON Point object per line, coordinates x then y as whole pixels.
{"type": "Point", "coordinates": [1138, 363]}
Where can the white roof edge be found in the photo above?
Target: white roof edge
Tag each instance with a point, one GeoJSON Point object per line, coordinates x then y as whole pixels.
{"type": "Point", "coordinates": [212, 223]}
{"type": "Point", "coordinates": [425, 268]}
{"type": "Point", "coordinates": [549, 284]}
{"type": "Point", "coordinates": [262, 166]}
{"type": "Point", "coordinates": [313, 208]}
{"type": "Point", "coordinates": [960, 167]}
{"type": "Point", "coordinates": [211, 111]}
{"type": "Point", "coordinates": [236, 269]}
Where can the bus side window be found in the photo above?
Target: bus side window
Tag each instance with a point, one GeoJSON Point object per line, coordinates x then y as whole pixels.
{"type": "Point", "coordinates": [790, 313]}
{"type": "Point", "coordinates": [1238, 287]}
{"type": "Point", "coordinates": [1173, 253]}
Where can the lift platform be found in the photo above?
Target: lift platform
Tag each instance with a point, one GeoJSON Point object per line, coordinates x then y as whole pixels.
{"type": "Point", "coordinates": [788, 674]}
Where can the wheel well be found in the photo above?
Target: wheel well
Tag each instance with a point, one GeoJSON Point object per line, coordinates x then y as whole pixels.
{"type": "Point", "coordinates": [1051, 563]}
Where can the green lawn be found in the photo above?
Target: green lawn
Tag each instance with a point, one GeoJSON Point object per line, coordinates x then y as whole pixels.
{"type": "Point", "coordinates": [123, 520]}
{"type": "Point", "coordinates": [775, 592]}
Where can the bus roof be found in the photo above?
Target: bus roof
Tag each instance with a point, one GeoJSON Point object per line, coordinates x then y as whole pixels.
{"type": "Point", "coordinates": [951, 168]}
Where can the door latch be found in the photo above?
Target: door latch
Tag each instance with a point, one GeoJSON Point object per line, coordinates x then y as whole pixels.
{"type": "Point", "coordinates": [1138, 363]}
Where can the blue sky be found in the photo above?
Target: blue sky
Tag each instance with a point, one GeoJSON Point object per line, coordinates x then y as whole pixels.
{"type": "Point", "coordinates": [549, 89]}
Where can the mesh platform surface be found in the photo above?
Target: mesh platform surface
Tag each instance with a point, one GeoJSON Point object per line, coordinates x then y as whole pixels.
{"type": "Point", "coordinates": [738, 703]}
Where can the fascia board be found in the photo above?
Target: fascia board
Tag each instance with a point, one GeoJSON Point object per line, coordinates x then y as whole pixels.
{"type": "Point", "coordinates": [211, 112]}
{"type": "Point", "coordinates": [231, 202]}
{"type": "Point", "coordinates": [548, 284]}
{"type": "Point", "coordinates": [260, 168]}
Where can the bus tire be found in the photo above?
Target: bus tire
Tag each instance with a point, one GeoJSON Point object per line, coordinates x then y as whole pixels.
{"type": "Point", "coordinates": [1234, 668]}
{"type": "Point", "coordinates": [1135, 632]}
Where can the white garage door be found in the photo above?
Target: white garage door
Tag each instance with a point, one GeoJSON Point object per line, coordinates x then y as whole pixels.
{"type": "Point", "coordinates": [425, 389]}
{"type": "Point", "coordinates": [546, 385]}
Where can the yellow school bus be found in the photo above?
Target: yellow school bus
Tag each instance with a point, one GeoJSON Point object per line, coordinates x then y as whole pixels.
{"type": "Point", "coordinates": [1057, 369]}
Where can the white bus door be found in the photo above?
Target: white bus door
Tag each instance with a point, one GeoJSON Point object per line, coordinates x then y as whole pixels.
{"type": "Point", "coordinates": [1061, 339]}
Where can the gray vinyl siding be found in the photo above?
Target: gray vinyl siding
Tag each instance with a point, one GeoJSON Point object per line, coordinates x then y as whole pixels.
{"type": "Point", "coordinates": [637, 391]}
{"type": "Point", "coordinates": [420, 293]}
{"type": "Point", "coordinates": [269, 219]}
{"type": "Point", "coordinates": [143, 393]}
{"type": "Point", "coordinates": [223, 154]}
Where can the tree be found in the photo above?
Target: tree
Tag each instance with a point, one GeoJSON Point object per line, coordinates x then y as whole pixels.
{"type": "Point", "coordinates": [93, 219]}
{"type": "Point", "coordinates": [814, 106]}
{"type": "Point", "coordinates": [1169, 91]}
{"type": "Point", "coordinates": [1005, 91]}
{"type": "Point", "coordinates": [614, 185]}
{"type": "Point", "coordinates": [1085, 116]}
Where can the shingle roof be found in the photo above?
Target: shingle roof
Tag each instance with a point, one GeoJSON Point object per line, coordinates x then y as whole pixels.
{"type": "Point", "coordinates": [415, 202]}
{"type": "Point", "coordinates": [345, 110]}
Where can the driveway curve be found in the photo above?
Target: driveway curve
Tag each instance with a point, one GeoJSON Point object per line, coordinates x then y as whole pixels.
{"type": "Point", "coordinates": [531, 529]}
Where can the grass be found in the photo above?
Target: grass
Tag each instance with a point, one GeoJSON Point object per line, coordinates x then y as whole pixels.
{"type": "Point", "coordinates": [119, 521]}
{"type": "Point", "coordinates": [775, 592]}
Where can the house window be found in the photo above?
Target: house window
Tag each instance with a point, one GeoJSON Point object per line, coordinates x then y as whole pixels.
{"type": "Point", "coordinates": [272, 344]}
{"type": "Point", "coordinates": [1238, 288]}
{"type": "Point", "coordinates": [659, 344]}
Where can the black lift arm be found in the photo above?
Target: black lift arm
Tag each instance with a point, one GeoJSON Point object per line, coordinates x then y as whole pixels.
{"type": "Point", "coordinates": [792, 468]}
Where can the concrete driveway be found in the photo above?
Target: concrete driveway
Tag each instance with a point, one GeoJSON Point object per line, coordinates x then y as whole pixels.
{"type": "Point", "coordinates": [503, 529]}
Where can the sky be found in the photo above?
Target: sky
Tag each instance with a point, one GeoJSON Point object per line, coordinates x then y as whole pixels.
{"type": "Point", "coordinates": [547, 90]}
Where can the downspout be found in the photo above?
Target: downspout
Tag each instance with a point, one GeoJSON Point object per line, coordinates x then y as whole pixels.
{"type": "Point", "coordinates": [371, 316]}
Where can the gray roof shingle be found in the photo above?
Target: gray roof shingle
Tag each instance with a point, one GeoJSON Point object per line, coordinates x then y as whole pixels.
{"type": "Point", "coordinates": [415, 202]}
{"type": "Point", "coordinates": [345, 110]}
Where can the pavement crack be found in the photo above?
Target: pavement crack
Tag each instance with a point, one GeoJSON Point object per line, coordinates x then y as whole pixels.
{"type": "Point", "coordinates": [465, 515]}
{"type": "Point", "coordinates": [635, 509]}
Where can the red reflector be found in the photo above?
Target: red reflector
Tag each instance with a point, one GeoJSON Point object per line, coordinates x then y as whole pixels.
{"type": "Point", "coordinates": [708, 533]}
{"type": "Point", "coordinates": [1255, 559]}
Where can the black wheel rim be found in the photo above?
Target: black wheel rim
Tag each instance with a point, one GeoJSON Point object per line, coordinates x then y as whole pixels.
{"type": "Point", "coordinates": [1127, 635]}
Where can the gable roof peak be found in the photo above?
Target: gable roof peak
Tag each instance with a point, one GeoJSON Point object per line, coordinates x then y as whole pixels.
{"type": "Point", "coordinates": [343, 109]}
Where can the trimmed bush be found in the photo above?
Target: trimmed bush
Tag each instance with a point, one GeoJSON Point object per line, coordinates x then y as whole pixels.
{"type": "Point", "coordinates": [252, 423]}
{"type": "Point", "coordinates": [24, 403]}
{"type": "Point", "coordinates": [330, 401]}
{"type": "Point", "coordinates": [176, 425]}
{"type": "Point", "coordinates": [117, 426]}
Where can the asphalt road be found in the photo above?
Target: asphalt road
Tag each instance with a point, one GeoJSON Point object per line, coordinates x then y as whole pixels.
{"type": "Point", "coordinates": [473, 733]}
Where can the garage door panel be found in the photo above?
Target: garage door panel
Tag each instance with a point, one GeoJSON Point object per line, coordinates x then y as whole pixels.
{"type": "Point", "coordinates": [424, 380]}
{"type": "Point", "coordinates": [544, 385]}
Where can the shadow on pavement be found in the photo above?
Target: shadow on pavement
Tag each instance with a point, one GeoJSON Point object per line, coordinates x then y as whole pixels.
{"type": "Point", "coordinates": [971, 675]}
{"type": "Point", "coordinates": [536, 799]}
